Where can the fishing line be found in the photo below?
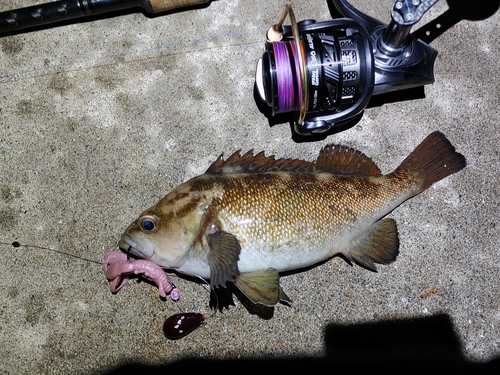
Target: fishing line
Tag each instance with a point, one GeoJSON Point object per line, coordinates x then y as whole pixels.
{"type": "Point", "coordinates": [18, 244]}
{"type": "Point", "coordinates": [140, 55]}
{"type": "Point", "coordinates": [205, 286]}
{"type": "Point", "coordinates": [289, 85]}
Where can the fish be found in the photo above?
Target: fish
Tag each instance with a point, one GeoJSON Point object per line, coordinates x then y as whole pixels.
{"type": "Point", "coordinates": [251, 217]}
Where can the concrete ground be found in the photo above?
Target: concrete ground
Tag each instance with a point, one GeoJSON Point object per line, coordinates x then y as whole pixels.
{"type": "Point", "coordinates": [100, 119]}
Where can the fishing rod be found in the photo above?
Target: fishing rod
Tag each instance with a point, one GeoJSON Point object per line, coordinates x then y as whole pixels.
{"type": "Point", "coordinates": [58, 11]}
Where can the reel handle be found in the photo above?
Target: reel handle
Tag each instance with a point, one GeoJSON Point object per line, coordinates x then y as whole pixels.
{"type": "Point", "coordinates": [401, 61]}
{"type": "Point", "coordinates": [404, 14]}
{"type": "Point", "coordinates": [409, 12]}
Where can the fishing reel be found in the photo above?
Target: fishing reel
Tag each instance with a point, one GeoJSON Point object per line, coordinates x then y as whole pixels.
{"type": "Point", "coordinates": [324, 73]}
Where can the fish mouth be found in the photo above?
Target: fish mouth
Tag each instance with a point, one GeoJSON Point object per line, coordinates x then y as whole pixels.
{"type": "Point", "coordinates": [144, 250]}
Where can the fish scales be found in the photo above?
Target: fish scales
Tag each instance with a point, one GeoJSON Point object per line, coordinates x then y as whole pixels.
{"type": "Point", "coordinates": [250, 217]}
{"type": "Point", "coordinates": [282, 212]}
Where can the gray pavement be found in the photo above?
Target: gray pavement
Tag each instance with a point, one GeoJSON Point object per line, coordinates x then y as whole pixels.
{"type": "Point", "coordinates": [101, 119]}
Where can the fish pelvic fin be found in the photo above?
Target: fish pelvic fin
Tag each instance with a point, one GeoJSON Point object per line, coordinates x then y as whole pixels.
{"type": "Point", "coordinates": [434, 159]}
{"type": "Point", "coordinates": [223, 258]}
{"type": "Point", "coordinates": [261, 287]}
{"type": "Point", "coordinates": [379, 245]}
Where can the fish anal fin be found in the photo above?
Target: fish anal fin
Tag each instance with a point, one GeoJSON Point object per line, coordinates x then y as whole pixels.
{"type": "Point", "coordinates": [379, 245]}
{"type": "Point", "coordinates": [346, 161]}
{"type": "Point", "coordinates": [261, 287]}
{"type": "Point", "coordinates": [223, 258]}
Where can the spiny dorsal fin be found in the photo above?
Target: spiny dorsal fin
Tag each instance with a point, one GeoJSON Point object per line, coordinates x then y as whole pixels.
{"type": "Point", "coordinates": [346, 161]}
{"type": "Point", "coordinates": [250, 163]}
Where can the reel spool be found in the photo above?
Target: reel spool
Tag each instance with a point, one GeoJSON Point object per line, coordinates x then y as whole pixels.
{"type": "Point", "coordinates": [337, 75]}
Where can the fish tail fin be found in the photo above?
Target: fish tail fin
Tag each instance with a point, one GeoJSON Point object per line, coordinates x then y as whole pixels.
{"type": "Point", "coordinates": [433, 159]}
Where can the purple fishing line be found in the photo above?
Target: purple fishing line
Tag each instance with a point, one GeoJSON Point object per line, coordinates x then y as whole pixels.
{"type": "Point", "coordinates": [285, 77]}
{"type": "Point", "coordinates": [298, 75]}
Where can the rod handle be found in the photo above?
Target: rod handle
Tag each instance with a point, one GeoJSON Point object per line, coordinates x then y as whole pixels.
{"type": "Point", "coordinates": [163, 5]}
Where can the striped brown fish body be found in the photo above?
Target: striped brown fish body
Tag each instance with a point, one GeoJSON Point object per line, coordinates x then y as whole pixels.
{"type": "Point", "coordinates": [250, 217]}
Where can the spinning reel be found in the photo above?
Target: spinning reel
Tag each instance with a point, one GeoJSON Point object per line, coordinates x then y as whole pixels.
{"type": "Point", "coordinates": [325, 73]}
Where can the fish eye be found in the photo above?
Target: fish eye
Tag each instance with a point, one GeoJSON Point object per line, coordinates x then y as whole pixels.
{"type": "Point", "coordinates": [148, 223]}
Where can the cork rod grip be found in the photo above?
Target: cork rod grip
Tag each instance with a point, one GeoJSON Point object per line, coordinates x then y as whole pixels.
{"type": "Point", "coordinates": [163, 5]}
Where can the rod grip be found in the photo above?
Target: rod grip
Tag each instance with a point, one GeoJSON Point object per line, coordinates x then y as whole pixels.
{"type": "Point", "coordinates": [163, 5]}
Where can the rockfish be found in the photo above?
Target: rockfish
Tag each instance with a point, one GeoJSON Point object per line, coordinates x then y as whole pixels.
{"type": "Point", "coordinates": [250, 217]}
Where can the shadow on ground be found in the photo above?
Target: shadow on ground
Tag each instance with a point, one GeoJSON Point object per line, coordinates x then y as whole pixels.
{"type": "Point", "coordinates": [426, 344]}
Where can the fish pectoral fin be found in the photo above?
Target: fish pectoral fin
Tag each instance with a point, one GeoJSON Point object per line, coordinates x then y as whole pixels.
{"type": "Point", "coordinates": [379, 245]}
{"type": "Point", "coordinates": [262, 287]}
{"type": "Point", "coordinates": [223, 258]}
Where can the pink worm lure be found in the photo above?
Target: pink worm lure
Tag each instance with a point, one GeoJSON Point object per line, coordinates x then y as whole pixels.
{"type": "Point", "coordinates": [118, 268]}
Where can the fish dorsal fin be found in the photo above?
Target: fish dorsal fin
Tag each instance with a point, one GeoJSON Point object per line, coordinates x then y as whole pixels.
{"type": "Point", "coordinates": [345, 160]}
{"type": "Point", "coordinates": [332, 158]}
{"type": "Point", "coordinates": [250, 163]}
